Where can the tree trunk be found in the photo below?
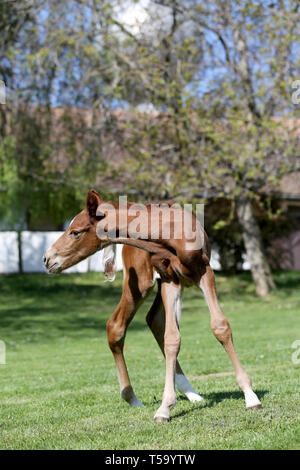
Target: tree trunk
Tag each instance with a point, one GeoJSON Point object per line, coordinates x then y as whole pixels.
{"type": "Point", "coordinates": [260, 269]}
{"type": "Point", "coordinates": [20, 260]}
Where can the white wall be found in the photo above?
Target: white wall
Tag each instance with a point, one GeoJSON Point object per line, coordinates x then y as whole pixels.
{"type": "Point", "coordinates": [8, 252]}
{"type": "Point", "coordinates": [34, 245]}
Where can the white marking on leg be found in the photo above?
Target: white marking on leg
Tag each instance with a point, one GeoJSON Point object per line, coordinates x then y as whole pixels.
{"type": "Point", "coordinates": [177, 308]}
{"type": "Point", "coordinates": [252, 400]}
{"type": "Point", "coordinates": [184, 386]}
{"type": "Point", "coordinates": [171, 296]}
{"type": "Point", "coordinates": [181, 381]}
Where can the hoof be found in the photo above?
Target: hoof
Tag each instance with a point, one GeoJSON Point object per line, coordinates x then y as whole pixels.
{"type": "Point", "coordinates": [161, 419]}
{"type": "Point", "coordinates": [162, 415]}
{"type": "Point", "coordinates": [135, 403]}
{"type": "Point", "coordinates": [254, 407]}
{"type": "Point", "coordinates": [128, 395]}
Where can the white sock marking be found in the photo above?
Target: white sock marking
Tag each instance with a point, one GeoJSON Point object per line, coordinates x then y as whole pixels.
{"type": "Point", "coordinates": [251, 399]}
{"type": "Point", "coordinates": [185, 387]}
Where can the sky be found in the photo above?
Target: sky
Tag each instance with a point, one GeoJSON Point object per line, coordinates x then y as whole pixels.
{"type": "Point", "coordinates": [148, 18]}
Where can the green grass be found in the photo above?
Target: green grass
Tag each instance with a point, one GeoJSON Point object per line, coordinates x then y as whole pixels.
{"type": "Point", "coordinates": [59, 387]}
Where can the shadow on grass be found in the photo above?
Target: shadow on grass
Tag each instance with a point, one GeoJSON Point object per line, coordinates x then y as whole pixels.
{"type": "Point", "coordinates": [40, 322]}
{"type": "Point", "coordinates": [234, 286]}
{"type": "Point", "coordinates": [212, 399]}
{"type": "Point", "coordinates": [216, 397]}
{"type": "Point", "coordinates": [41, 306]}
{"type": "Point", "coordinates": [287, 280]}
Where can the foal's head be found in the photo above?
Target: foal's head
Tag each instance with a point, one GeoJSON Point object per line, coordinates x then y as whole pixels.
{"type": "Point", "coordinates": [79, 240]}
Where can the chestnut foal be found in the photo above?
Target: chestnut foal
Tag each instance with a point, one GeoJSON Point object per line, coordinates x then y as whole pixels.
{"type": "Point", "coordinates": [144, 262]}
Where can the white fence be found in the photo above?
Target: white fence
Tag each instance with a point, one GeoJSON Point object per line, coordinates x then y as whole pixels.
{"type": "Point", "coordinates": [34, 245]}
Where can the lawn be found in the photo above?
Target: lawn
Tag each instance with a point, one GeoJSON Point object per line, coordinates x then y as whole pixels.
{"type": "Point", "coordinates": [59, 388]}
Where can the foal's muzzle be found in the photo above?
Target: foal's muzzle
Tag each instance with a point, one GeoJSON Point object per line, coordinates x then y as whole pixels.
{"type": "Point", "coordinates": [52, 262]}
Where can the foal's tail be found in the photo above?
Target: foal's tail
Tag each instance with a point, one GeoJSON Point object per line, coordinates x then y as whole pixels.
{"type": "Point", "coordinates": [109, 262]}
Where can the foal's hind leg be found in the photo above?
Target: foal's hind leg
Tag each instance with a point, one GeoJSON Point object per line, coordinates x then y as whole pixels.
{"type": "Point", "coordinates": [156, 322]}
{"type": "Point", "coordinates": [222, 332]}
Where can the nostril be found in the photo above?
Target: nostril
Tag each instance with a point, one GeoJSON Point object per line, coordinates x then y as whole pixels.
{"type": "Point", "coordinates": [44, 259]}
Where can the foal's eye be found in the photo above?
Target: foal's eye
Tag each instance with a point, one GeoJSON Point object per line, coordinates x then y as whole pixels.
{"type": "Point", "coordinates": [74, 232]}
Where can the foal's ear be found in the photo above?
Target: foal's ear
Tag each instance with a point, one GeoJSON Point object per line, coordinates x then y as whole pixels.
{"type": "Point", "coordinates": [93, 200]}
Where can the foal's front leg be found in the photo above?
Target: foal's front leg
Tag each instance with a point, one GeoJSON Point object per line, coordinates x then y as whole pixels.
{"type": "Point", "coordinates": [117, 326]}
{"type": "Point", "coordinates": [116, 330]}
{"type": "Point", "coordinates": [171, 295]}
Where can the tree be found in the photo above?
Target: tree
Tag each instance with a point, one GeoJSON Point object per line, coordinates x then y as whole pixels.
{"type": "Point", "coordinates": [258, 43]}
{"type": "Point", "coordinates": [215, 76]}
{"type": "Point", "coordinates": [234, 137]}
{"type": "Point", "coordinates": [55, 155]}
